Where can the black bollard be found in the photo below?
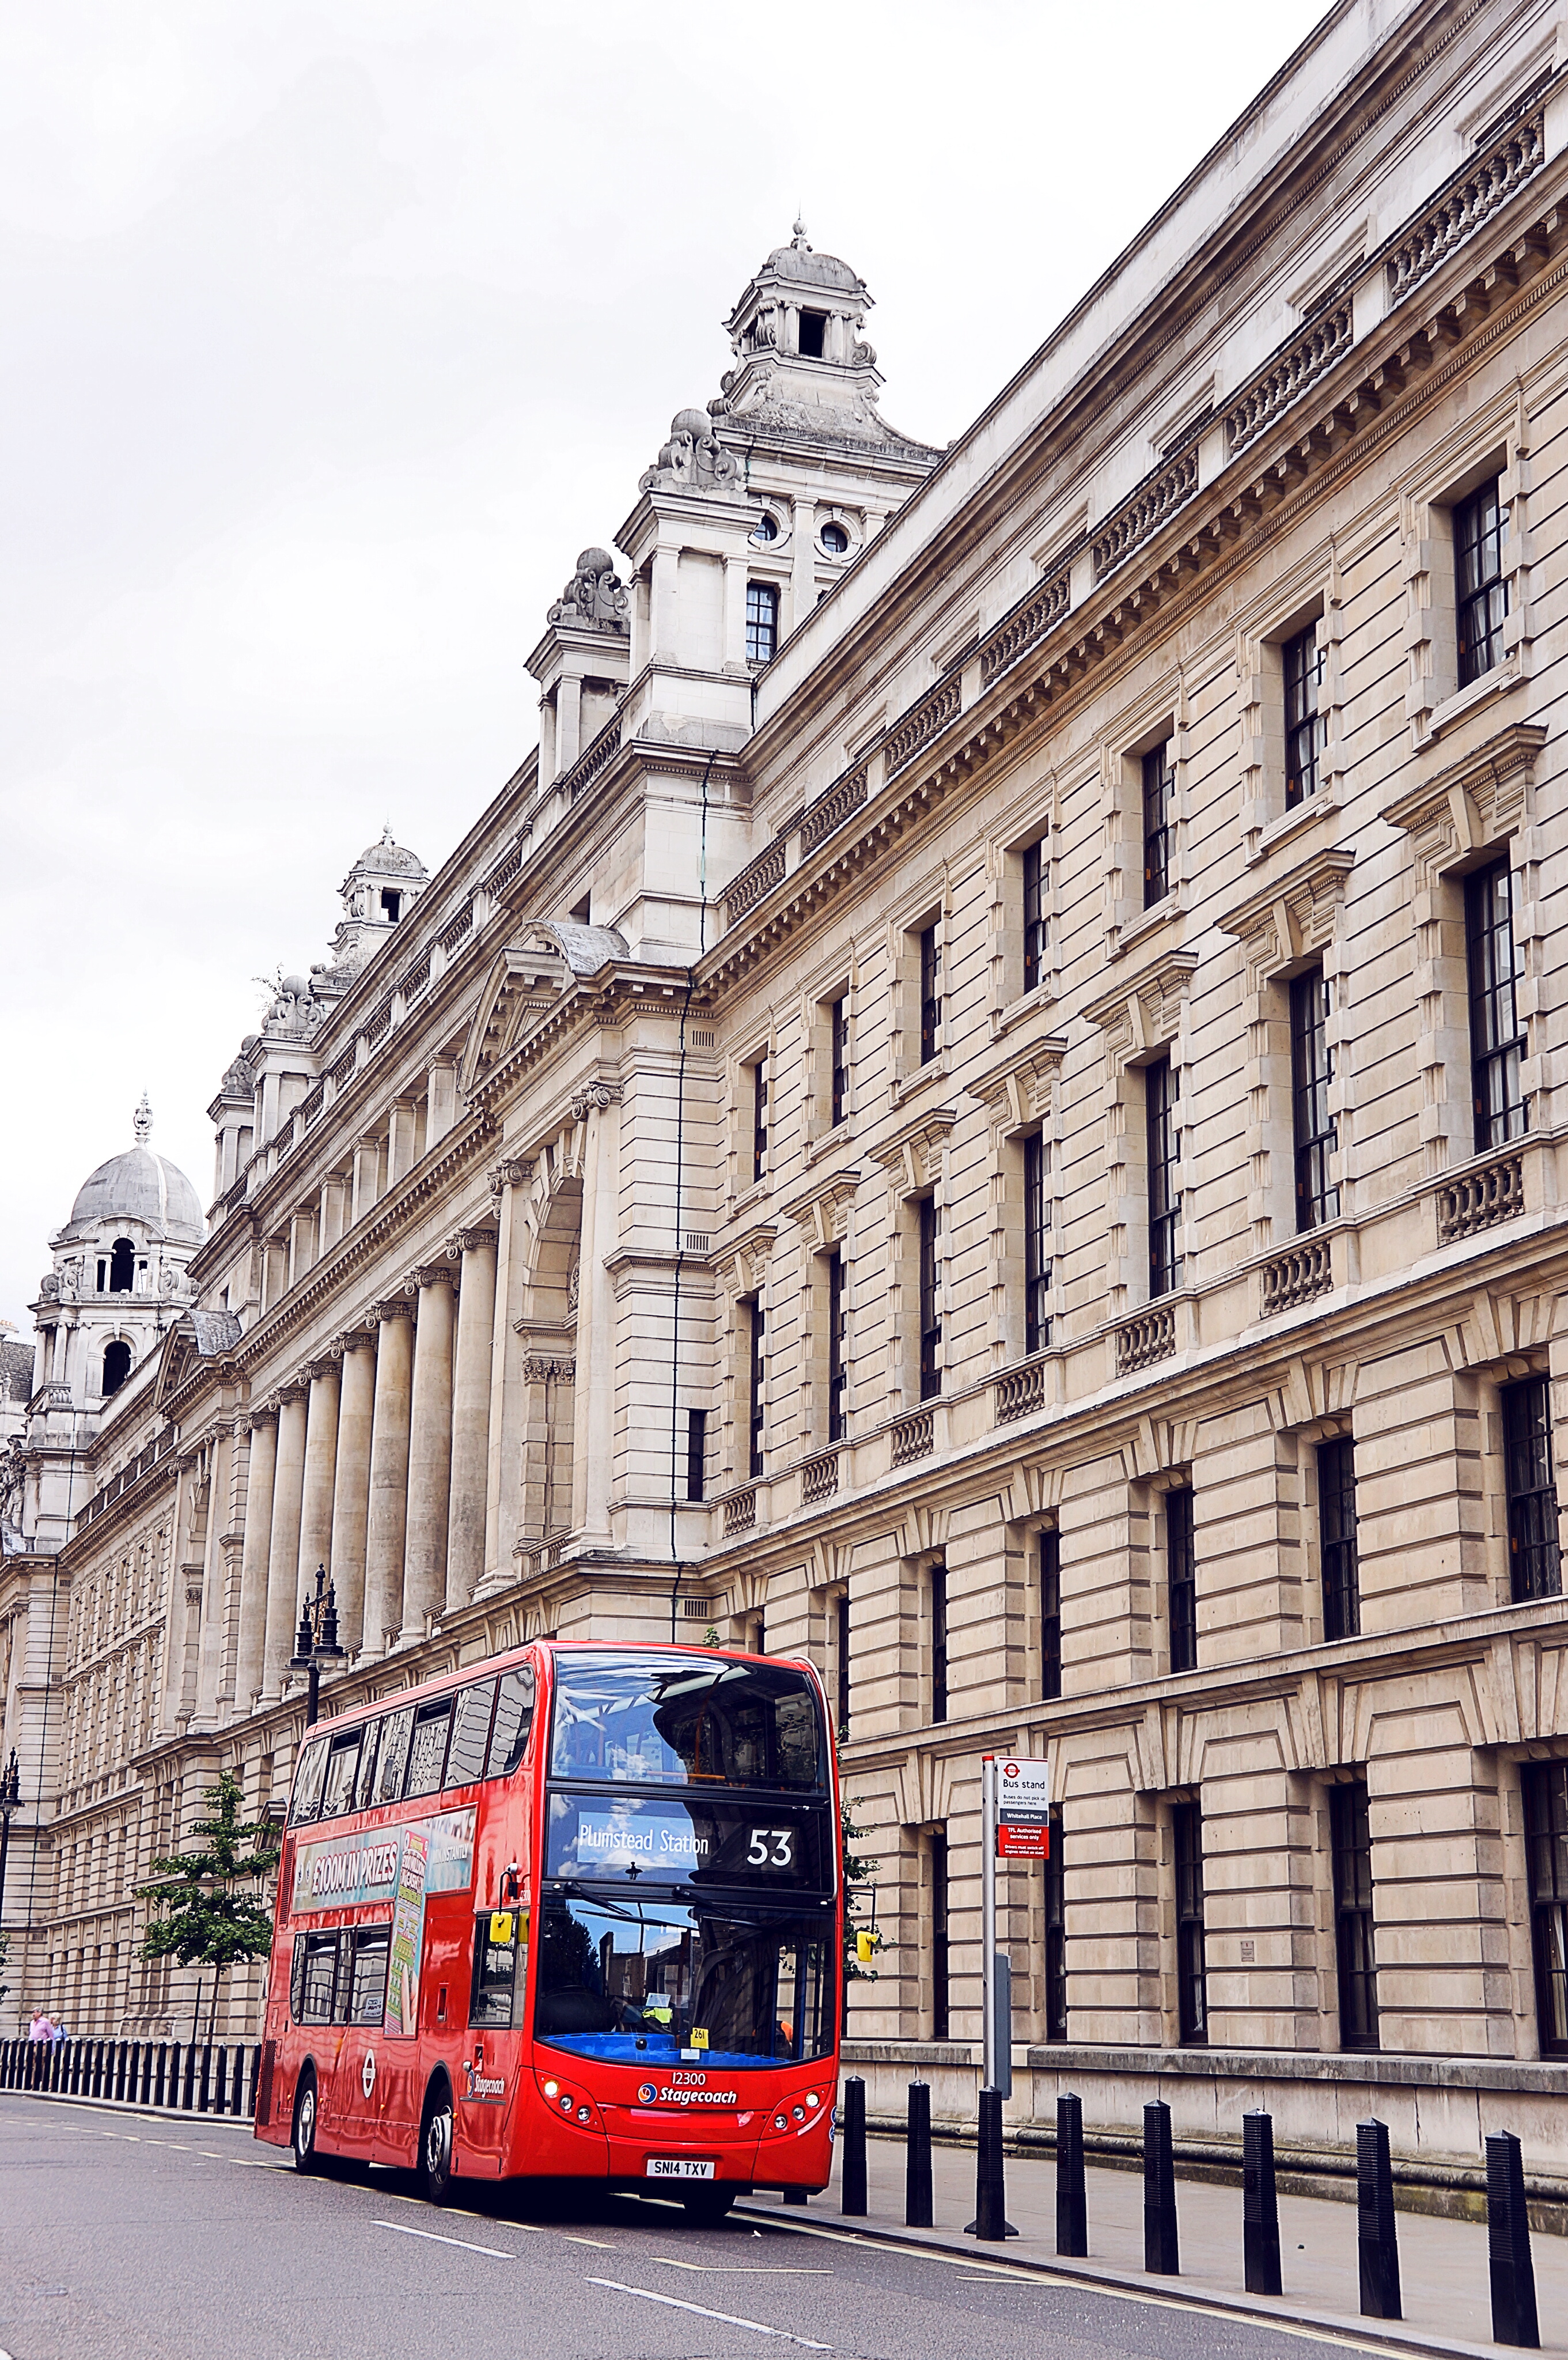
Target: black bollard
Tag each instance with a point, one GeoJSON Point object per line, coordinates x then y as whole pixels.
{"type": "Point", "coordinates": [1378, 2243]}
{"type": "Point", "coordinates": [1508, 2244]}
{"type": "Point", "coordinates": [1260, 2206]}
{"type": "Point", "coordinates": [1072, 2202]}
{"type": "Point", "coordinates": [918, 2159]}
{"type": "Point", "coordinates": [852, 2183]}
{"type": "Point", "coordinates": [990, 2188]}
{"type": "Point", "coordinates": [1160, 2252]}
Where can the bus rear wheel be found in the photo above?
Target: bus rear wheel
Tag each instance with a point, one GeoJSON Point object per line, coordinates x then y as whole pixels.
{"type": "Point", "coordinates": [306, 2116]}
{"type": "Point", "coordinates": [435, 2147]}
{"type": "Point", "coordinates": [706, 2207]}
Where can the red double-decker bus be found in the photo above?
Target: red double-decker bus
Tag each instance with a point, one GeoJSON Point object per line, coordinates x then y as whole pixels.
{"type": "Point", "coordinates": [573, 1913]}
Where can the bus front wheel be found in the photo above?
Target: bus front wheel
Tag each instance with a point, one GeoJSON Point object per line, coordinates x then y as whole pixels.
{"type": "Point", "coordinates": [705, 2207]}
{"type": "Point", "coordinates": [435, 2146]}
{"type": "Point", "coordinates": [306, 2109]}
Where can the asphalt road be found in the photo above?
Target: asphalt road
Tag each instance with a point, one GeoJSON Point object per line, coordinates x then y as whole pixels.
{"type": "Point", "coordinates": [150, 2238]}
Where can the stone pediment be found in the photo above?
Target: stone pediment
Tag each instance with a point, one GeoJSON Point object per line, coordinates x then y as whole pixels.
{"type": "Point", "coordinates": [522, 983]}
{"type": "Point", "coordinates": [1018, 1088]}
{"type": "Point", "coordinates": [1143, 1014]}
{"type": "Point", "coordinates": [1288, 921]}
{"type": "Point", "coordinates": [1476, 800]}
{"type": "Point", "coordinates": [822, 1210]}
{"type": "Point", "coordinates": [742, 1263]}
{"type": "Point", "coordinates": [912, 1156]}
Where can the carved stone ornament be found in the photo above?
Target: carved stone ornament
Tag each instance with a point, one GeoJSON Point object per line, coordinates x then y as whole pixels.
{"type": "Point", "coordinates": [1289, 920]}
{"type": "Point", "coordinates": [1019, 1090]}
{"type": "Point", "coordinates": [264, 1414]}
{"type": "Point", "coordinates": [474, 1240]}
{"type": "Point", "coordinates": [825, 1211]}
{"type": "Point", "coordinates": [912, 1157]}
{"type": "Point", "coordinates": [744, 1268]}
{"type": "Point", "coordinates": [511, 1172]}
{"type": "Point", "coordinates": [1476, 800]}
{"type": "Point", "coordinates": [595, 599]}
{"type": "Point", "coordinates": [430, 1274]}
{"type": "Point", "coordinates": [595, 1094]}
{"type": "Point", "coordinates": [693, 460]}
{"type": "Point", "coordinates": [1144, 1013]}
{"type": "Point", "coordinates": [393, 1306]}
{"type": "Point", "coordinates": [354, 1340]}
{"type": "Point", "coordinates": [539, 1371]}
{"type": "Point", "coordinates": [573, 1286]}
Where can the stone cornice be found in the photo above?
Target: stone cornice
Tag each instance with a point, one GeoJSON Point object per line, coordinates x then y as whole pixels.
{"type": "Point", "coordinates": [1477, 800]}
{"type": "Point", "coordinates": [822, 1209]}
{"type": "Point", "coordinates": [1142, 1014]}
{"type": "Point", "coordinates": [1285, 922]}
{"type": "Point", "coordinates": [911, 1155]}
{"type": "Point", "coordinates": [1016, 1088]}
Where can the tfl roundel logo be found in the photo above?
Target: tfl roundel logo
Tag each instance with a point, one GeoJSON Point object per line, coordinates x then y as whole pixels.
{"type": "Point", "coordinates": [647, 2094]}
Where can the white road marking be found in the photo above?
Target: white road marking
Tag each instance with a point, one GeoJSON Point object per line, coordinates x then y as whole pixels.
{"type": "Point", "coordinates": [743, 2270]}
{"type": "Point", "coordinates": [572, 2240]}
{"type": "Point", "coordinates": [728, 2317]}
{"type": "Point", "coordinates": [437, 2239]}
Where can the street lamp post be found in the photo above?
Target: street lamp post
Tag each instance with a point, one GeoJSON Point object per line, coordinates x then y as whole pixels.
{"type": "Point", "coordinates": [316, 1641]}
{"type": "Point", "coordinates": [10, 1797]}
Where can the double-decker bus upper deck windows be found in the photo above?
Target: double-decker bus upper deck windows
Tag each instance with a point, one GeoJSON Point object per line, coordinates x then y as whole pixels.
{"type": "Point", "coordinates": [427, 1755]}
{"type": "Point", "coordinates": [367, 1986]}
{"type": "Point", "coordinates": [365, 1787]}
{"type": "Point", "coordinates": [514, 1720]}
{"type": "Point", "coordinates": [315, 1977]}
{"type": "Point", "coordinates": [342, 1762]}
{"type": "Point", "coordinates": [495, 1933]}
{"type": "Point", "coordinates": [396, 1731]}
{"type": "Point", "coordinates": [684, 1724]}
{"type": "Point", "coordinates": [470, 1733]}
{"type": "Point", "coordinates": [312, 1770]}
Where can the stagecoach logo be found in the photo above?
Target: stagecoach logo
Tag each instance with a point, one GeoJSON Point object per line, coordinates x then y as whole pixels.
{"type": "Point", "coordinates": [368, 2072]}
{"type": "Point", "coordinates": [489, 2088]}
{"type": "Point", "coordinates": [646, 2093]}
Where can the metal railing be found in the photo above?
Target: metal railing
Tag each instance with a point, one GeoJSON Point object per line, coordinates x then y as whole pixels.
{"type": "Point", "coordinates": [190, 2076]}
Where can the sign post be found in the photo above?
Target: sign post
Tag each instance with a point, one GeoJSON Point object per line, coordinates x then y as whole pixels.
{"type": "Point", "coordinates": [988, 1919]}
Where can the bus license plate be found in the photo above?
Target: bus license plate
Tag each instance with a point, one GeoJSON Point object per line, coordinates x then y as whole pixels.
{"type": "Point", "coordinates": [678, 2166]}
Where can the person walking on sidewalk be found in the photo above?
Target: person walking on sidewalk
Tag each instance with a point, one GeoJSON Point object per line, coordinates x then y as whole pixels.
{"type": "Point", "coordinates": [41, 2030]}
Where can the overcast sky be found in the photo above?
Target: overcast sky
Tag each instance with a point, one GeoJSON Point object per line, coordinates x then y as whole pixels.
{"type": "Point", "coordinates": [335, 331]}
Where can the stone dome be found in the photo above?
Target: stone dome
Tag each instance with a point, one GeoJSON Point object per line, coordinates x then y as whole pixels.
{"type": "Point", "coordinates": [139, 1186]}
{"type": "Point", "coordinates": [385, 859]}
{"type": "Point", "coordinates": [801, 263]}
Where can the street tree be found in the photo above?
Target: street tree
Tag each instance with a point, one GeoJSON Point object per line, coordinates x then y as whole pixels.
{"type": "Point", "coordinates": [209, 1911]}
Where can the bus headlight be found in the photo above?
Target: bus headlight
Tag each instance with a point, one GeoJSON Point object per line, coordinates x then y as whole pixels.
{"type": "Point", "coordinates": [585, 2114]}
{"type": "Point", "coordinates": [550, 2088]}
{"type": "Point", "coordinates": [812, 2099]}
{"type": "Point", "coordinates": [779, 2123]}
{"type": "Point", "coordinates": [799, 2112]}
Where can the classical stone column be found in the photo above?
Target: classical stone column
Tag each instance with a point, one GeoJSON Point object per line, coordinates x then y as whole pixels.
{"type": "Point", "coordinates": [283, 1555]}
{"type": "Point", "coordinates": [507, 1392]}
{"type": "Point", "coordinates": [321, 1464]}
{"type": "Point", "coordinates": [387, 1520]}
{"type": "Point", "coordinates": [258, 1546]}
{"type": "Point", "coordinates": [429, 1451]}
{"type": "Point", "coordinates": [593, 1423]}
{"type": "Point", "coordinates": [471, 1415]}
{"type": "Point", "coordinates": [351, 1494]}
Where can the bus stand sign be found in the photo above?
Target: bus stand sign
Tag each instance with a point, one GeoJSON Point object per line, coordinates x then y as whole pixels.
{"type": "Point", "coordinates": [1023, 1809]}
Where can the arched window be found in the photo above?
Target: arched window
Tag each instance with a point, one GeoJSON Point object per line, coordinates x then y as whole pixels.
{"type": "Point", "coordinates": [122, 1267]}
{"type": "Point", "coordinates": [116, 1367]}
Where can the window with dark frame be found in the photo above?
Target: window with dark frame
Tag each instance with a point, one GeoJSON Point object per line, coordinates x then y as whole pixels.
{"type": "Point", "coordinates": [1037, 876]}
{"type": "Point", "coordinates": [1180, 1581]}
{"type": "Point", "coordinates": [1480, 589]}
{"type": "Point", "coordinates": [490, 1996]}
{"type": "Point", "coordinates": [936, 1594]}
{"type": "Point", "coordinates": [696, 1453]}
{"type": "Point", "coordinates": [1535, 1556]}
{"type": "Point", "coordinates": [1050, 1614]}
{"type": "Point", "coordinates": [813, 335]}
{"type": "Point", "coordinates": [1036, 1243]}
{"type": "Point", "coordinates": [937, 1844]}
{"type": "Point", "coordinates": [1055, 1932]}
{"type": "Point", "coordinates": [928, 1219]}
{"type": "Point", "coordinates": [1192, 1986]}
{"type": "Point", "coordinates": [1497, 1036]}
{"type": "Point", "coordinates": [840, 1092]}
{"type": "Point", "coordinates": [1351, 1839]}
{"type": "Point", "coordinates": [761, 622]}
{"type": "Point", "coordinates": [930, 993]}
{"type": "Point", "coordinates": [1161, 1090]}
{"type": "Point", "coordinates": [838, 1325]}
{"type": "Point", "coordinates": [840, 1633]}
{"type": "Point", "coordinates": [756, 1330]}
{"type": "Point", "coordinates": [1158, 821]}
{"type": "Point", "coordinates": [1306, 724]}
{"type": "Point", "coordinates": [1336, 1538]}
{"type": "Point", "coordinates": [1314, 1136]}
{"type": "Point", "coordinates": [1544, 1786]}
{"type": "Point", "coordinates": [758, 1119]}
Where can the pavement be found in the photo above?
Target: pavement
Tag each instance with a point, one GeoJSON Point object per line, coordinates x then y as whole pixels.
{"type": "Point", "coordinates": [135, 2236]}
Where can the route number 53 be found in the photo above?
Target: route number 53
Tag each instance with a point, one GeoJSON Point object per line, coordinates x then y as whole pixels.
{"type": "Point", "coordinates": [782, 1852]}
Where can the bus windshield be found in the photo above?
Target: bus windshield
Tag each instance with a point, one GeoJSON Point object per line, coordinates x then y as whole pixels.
{"type": "Point", "coordinates": [687, 1721]}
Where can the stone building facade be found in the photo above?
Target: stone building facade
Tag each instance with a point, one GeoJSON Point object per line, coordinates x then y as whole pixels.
{"type": "Point", "coordinates": [986, 1108]}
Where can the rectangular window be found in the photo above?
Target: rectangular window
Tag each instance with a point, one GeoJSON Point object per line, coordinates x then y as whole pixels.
{"type": "Point", "coordinates": [1535, 1563]}
{"type": "Point", "coordinates": [342, 1764]}
{"type": "Point", "coordinates": [840, 1060]}
{"type": "Point", "coordinates": [930, 993]}
{"type": "Point", "coordinates": [495, 1969]}
{"type": "Point", "coordinates": [756, 1330]}
{"type": "Point", "coordinates": [367, 1992]}
{"type": "Point", "coordinates": [1191, 1986]}
{"type": "Point", "coordinates": [696, 1453]}
{"type": "Point", "coordinates": [1481, 593]}
{"type": "Point", "coordinates": [1336, 1539]}
{"type": "Point", "coordinates": [396, 1731]}
{"type": "Point", "coordinates": [427, 1755]}
{"type": "Point", "coordinates": [761, 622]}
{"type": "Point", "coordinates": [840, 1633]}
{"type": "Point", "coordinates": [928, 1216]}
{"type": "Point", "coordinates": [1497, 1036]}
{"type": "Point", "coordinates": [1180, 1581]}
{"type": "Point", "coordinates": [838, 1329]}
{"type": "Point", "coordinates": [1036, 1243]}
{"type": "Point", "coordinates": [1161, 1090]}
{"type": "Point", "coordinates": [1055, 1933]}
{"type": "Point", "coordinates": [939, 1934]}
{"type": "Point", "coordinates": [1352, 1841]}
{"type": "Point", "coordinates": [470, 1734]}
{"type": "Point", "coordinates": [315, 1977]}
{"type": "Point", "coordinates": [1050, 1616]}
{"type": "Point", "coordinates": [1159, 821]}
{"type": "Point", "coordinates": [1306, 724]}
{"type": "Point", "coordinates": [1037, 876]}
{"type": "Point", "coordinates": [1311, 1071]}
{"type": "Point", "coordinates": [758, 1119]}
{"type": "Point", "coordinates": [1545, 1788]}
{"type": "Point", "coordinates": [514, 1721]}
{"type": "Point", "coordinates": [937, 1591]}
